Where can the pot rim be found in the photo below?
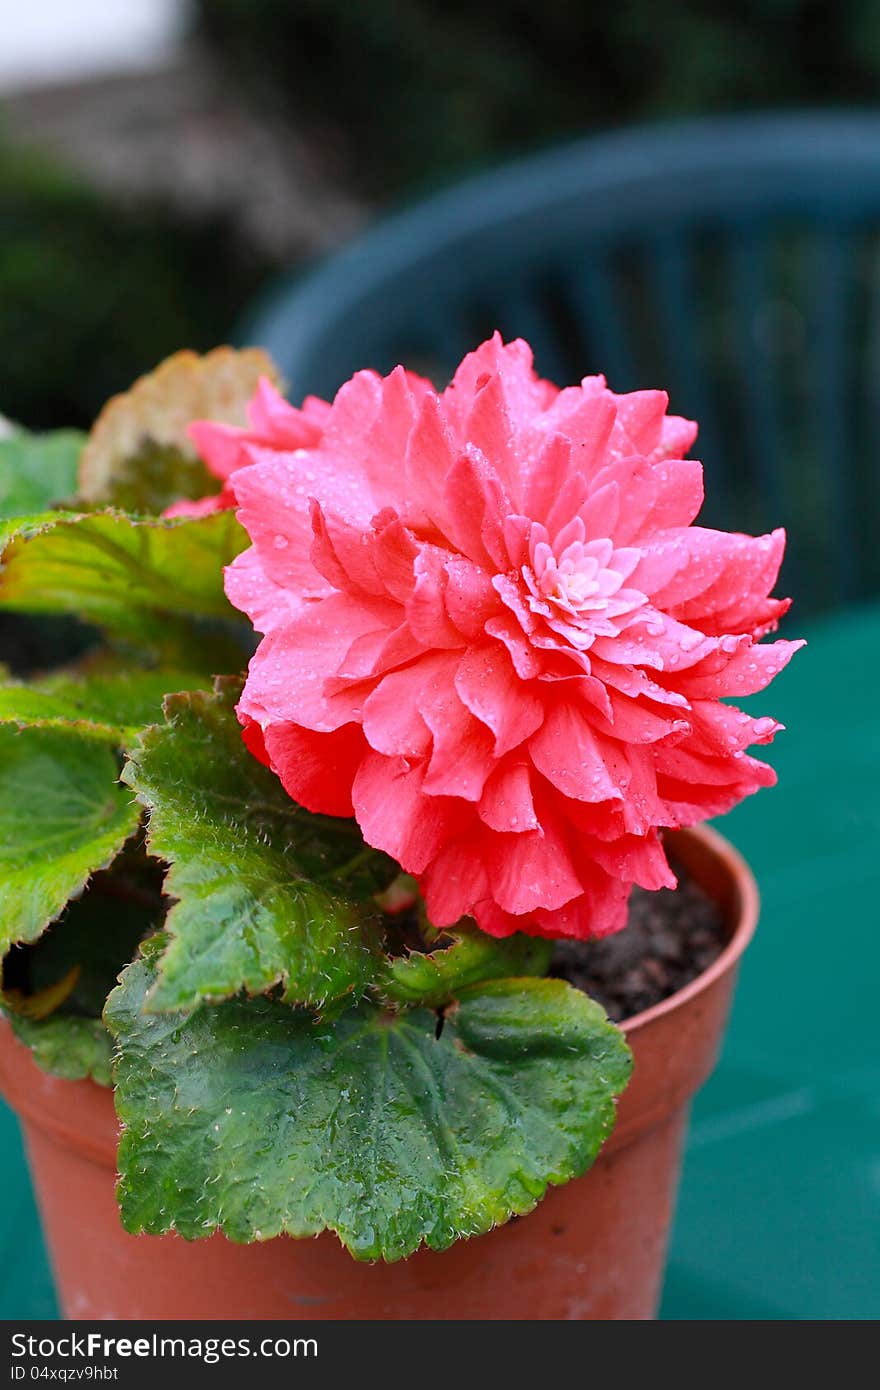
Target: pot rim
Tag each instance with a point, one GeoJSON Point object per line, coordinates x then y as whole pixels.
{"type": "Point", "coordinates": [744, 912]}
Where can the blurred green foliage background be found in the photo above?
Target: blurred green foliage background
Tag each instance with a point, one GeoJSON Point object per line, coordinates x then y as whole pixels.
{"type": "Point", "coordinates": [92, 294]}
{"type": "Point", "coordinates": [409, 89]}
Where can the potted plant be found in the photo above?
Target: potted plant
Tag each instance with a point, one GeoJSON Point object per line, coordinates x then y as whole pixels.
{"type": "Point", "coordinates": [358, 895]}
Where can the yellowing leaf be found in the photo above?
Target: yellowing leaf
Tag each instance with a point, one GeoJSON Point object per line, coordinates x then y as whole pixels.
{"type": "Point", "coordinates": [139, 454]}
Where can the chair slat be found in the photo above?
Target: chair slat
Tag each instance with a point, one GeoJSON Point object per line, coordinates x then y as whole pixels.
{"type": "Point", "coordinates": [757, 374]}
{"type": "Point", "coordinates": [445, 333]}
{"type": "Point", "coordinates": [670, 266]}
{"type": "Point", "coordinates": [525, 313]}
{"type": "Point", "coordinates": [591, 292]}
{"type": "Point", "coordinates": [829, 320]}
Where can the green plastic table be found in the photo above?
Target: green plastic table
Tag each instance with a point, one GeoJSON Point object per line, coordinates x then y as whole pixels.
{"type": "Point", "coordinates": [779, 1211]}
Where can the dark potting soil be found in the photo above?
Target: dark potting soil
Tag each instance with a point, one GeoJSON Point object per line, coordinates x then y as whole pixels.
{"type": "Point", "coordinates": [672, 935]}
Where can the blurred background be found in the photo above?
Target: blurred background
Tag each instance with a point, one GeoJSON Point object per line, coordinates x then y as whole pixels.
{"type": "Point", "coordinates": [161, 160]}
{"type": "Point", "coordinates": [164, 162]}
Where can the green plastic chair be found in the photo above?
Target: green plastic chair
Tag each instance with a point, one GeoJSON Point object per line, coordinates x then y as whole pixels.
{"type": "Point", "coordinates": [735, 262]}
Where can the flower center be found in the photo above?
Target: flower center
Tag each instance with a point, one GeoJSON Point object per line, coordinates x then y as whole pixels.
{"type": "Point", "coordinates": [578, 585]}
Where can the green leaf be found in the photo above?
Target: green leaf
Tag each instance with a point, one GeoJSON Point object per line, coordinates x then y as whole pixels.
{"type": "Point", "coordinates": [267, 893]}
{"type": "Point", "coordinates": [105, 700]}
{"type": "Point", "coordinates": [248, 1118]}
{"type": "Point", "coordinates": [67, 1046]}
{"type": "Point", "coordinates": [432, 978]}
{"type": "Point", "coordinates": [54, 989]}
{"type": "Point", "coordinates": [63, 815]}
{"type": "Point", "coordinates": [96, 935]}
{"type": "Point", "coordinates": [38, 471]}
{"type": "Point", "coordinates": [142, 579]}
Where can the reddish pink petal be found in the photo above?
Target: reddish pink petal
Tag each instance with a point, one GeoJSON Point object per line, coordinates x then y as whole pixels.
{"type": "Point", "coordinates": [462, 756]}
{"type": "Point", "coordinates": [691, 800]}
{"type": "Point", "coordinates": [506, 803]}
{"type": "Point", "coordinates": [365, 440]}
{"type": "Point", "coordinates": [571, 756]}
{"type": "Point", "coordinates": [633, 681]}
{"type": "Point", "coordinates": [391, 718]}
{"type": "Point", "coordinates": [344, 555]}
{"type": "Point", "coordinates": [677, 564]}
{"type": "Point", "coordinates": [429, 454]}
{"type": "Point", "coordinates": [598, 912]}
{"type": "Point", "coordinates": [585, 415]}
{"type": "Point", "coordinates": [456, 878]}
{"type": "Point", "coordinates": [205, 506]}
{"type": "Point", "coordinates": [470, 599]}
{"type": "Point", "coordinates": [601, 512]}
{"type": "Point", "coordinates": [527, 662]}
{"type": "Point", "coordinates": [488, 430]}
{"type": "Point", "coordinates": [635, 859]}
{"type": "Point", "coordinates": [524, 393]}
{"type": "Point", "coordinates": [274, 421]}
{"type": "Point", "coordinates": [653, 496]}
{"type": "Point", "coordinates": [643, 427]}
{"type": "Point", "coordinates": [490, 918]}
{"type": "Point", "coordinates": [365, 657]}
{"type": "Point", "coordinates": [676, 437]}
{"type": "Point", "coordinates": [635, 722]}
{"type": "Point", "coordinates": [736, 601]}
{"type": "Point", "coordinates": [218, 446]}
{"type": "Point", "coordinates": [725, 730]}
{"type": "Point", "coordinates": [426, 610]}
{"type": "Point", "coordinates": [639, 423]}
{"type": "Point", "coordinates": [705, 771]}
{"type": "Point", "coordinates": [658, 641]}
{"type": "Point", "coordinates": [291, 665]}
{"type": "Point", "coordinates": [317, 769]}
{"type": "Point", "coordinates": [274, 510]}
{"type": "Point", "coordinates": [267, 603]}
{"type": "Point", "coordinates": [252, 737]}
{"type": "Point", "coordinates": [383, 449]}
{"type": "Point", "coordinates": [476, 506]}
{"type": "Point", "coordinates": [568, 503]}
{"type": "Point", "coordinates": [395, 816]}
{"type": "Point", "coordinates": [546, 476]}
{"type": "Point", "coordinates": [530, 871]}
{"type": "Point", "coordinates": [394, 553]}
{"type": "Point", "coordinates": [487, 683]}
{"type": "Point", "coordinates": [750, 669]}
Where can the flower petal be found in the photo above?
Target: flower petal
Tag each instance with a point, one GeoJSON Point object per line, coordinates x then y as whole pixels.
{"type": "Point", "coordinates": [396, 817]}
{"type": "Point", "coordinates": [506, 803]}
{"type": "Point", "coordinates": [568, 752]}
{"type": "Point", "coordinates": [487, 683]}
{"type": "Point", "coordinates": [316, 769]}
{"type": "Point", "coordinates": [288, 671]}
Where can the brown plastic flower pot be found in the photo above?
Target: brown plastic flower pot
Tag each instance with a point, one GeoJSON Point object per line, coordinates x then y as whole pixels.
{"type": "Point", "coordinates": [592, 1249]}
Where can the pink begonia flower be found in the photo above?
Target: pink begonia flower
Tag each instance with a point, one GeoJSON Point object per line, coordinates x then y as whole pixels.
{"type": "Point", "coordinates": [493, 635]}
{"type": "Point", "coordinates": [273, 424]}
